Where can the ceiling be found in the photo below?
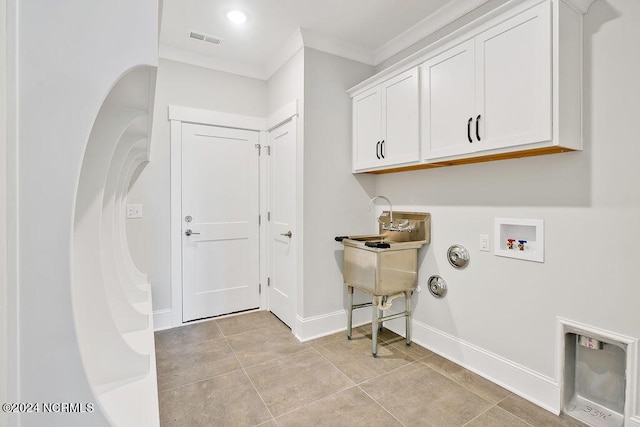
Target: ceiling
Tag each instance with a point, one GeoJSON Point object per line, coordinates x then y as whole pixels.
{"type": "Point", "coordinates": [369, 31]}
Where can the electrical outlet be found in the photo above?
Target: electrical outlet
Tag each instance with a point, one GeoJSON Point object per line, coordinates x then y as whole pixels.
{"type": "Point", "coordinates": [484, 242]}
{"type": "Point", "coordinates": [134, 211]}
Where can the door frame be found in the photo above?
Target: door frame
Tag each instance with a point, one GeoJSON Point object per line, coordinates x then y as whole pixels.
{"type": "Point", "coordinates": [179, 115]}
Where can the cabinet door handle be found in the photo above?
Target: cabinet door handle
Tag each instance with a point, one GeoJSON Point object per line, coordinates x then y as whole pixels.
{"type": "Point", "coordinates": [378, 150]}
{"type": "Point", "coordinates": [382, 148]}
{"type": "Point", "coordinates": [478, 127]}
{"type": "Point", "coordinates": [469, 129]}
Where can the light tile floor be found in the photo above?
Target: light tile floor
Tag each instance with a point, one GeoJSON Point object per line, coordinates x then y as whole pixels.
{"type": "Point", "coordinates": [249, 370]}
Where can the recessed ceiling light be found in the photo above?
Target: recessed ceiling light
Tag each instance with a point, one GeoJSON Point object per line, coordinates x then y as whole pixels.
{"type": "Point", "coordinates": [236, 17]}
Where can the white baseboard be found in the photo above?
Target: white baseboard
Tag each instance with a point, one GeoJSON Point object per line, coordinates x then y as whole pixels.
{"type": "Point", "coordinates": [633, 421]}
{"type": "Point", "coordinates": [162, 319]}
{"type": "Point", "coordinates": [531, 385]}
{"type": "Point", "coordinates": [310, 328]}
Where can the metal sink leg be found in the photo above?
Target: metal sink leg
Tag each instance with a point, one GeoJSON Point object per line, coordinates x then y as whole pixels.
{"type": "Point", "coordinates": [374, 328]}
{"type": "Point", "coordinates": [349, 311]}
{"type": "Point", "coordinates": [377, 316]}
{"type": "Point", "coordinates": [407, 297]}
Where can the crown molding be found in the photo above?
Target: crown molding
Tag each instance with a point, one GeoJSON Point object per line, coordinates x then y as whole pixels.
{"type": "Point", "coordinates": [448, 13]}
{"type": "Point", "coordinates": [581, 6]}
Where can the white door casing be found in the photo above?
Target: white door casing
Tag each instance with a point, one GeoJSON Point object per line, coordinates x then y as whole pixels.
{"type": "Point", "coordinates": [282, 240]}
{"type": "Point", "coordinates": [180, 117]}
{"type": "Point", "coordinates": [220, 205]}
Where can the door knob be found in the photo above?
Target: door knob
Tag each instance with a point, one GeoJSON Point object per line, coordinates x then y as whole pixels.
{"type": "Point", "coordinates": [188, 232]}
{"type": "Point", "coordinates": [287, 234]}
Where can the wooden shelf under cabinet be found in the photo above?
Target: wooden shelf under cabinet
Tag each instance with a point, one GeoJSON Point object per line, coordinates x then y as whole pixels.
{"type": "Point", "coordinates": [480, 159]}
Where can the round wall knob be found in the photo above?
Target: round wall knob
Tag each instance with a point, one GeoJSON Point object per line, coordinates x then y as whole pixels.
{"type": "Point", "coordinates": [437, 286]}
{"type": "Point", "coordinates": [458, 256]}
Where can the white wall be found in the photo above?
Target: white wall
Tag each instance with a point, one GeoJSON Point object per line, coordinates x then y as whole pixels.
{"type": "Point", "coordinates": [190, 86]}
{"type": "Point", "coordinates": [3, 211]}
{"type": "Point", "coordinates": [66, 67]}
{"type": "Point", "coordinates": [588, 200]}
{"type": "Point", "coordinates": [335, 200]}
{"type": "Point", "coordinates": [287, 84]}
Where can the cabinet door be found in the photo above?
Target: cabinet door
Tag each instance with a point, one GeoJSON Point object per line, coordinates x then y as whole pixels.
{"type": "Point", "coordinates": [400, 119]}
{"type": "Point", "coordinates": [448, 91]}
{"type": "Point", "coordinates": [367, 129]}
{"type": "Point", "coordinates": [513, 74]}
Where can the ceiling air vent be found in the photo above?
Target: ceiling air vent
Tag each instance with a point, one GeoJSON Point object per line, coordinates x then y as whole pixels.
{"type": "Point", "coordinates": [205, 37]}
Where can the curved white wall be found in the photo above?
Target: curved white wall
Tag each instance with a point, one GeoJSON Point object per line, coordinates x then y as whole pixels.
{"type": "Point", "coordinates": [112, 308]}
{"type": "Point", "coordinates": [70, 55]}
{"type": "Point", "coordinates": [3, 216]}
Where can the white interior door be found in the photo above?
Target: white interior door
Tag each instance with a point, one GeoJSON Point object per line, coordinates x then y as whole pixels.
{"type": "Point", "coordinates": [282, 230]}
{"type": "Point", "coordinates": [220, 208]}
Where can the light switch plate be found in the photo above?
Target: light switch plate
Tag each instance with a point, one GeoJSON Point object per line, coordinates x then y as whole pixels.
{"type": "Point", "coordinates": [484, 242]}
{"type": "Point", "coordinates": [134, 211]}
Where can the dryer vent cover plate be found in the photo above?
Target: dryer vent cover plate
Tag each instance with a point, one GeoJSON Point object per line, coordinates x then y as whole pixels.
{"type": "Point", "coordinates": [437, 286]}
{"type": "Point", "coordinates": [458, 256]}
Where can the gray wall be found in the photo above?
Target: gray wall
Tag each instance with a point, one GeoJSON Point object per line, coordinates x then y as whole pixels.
{"type": "Point", "coordinates": [335, 200]}
{"type": "Point", "coordinates": [189, 86]}
{"type": "Point", "coordinates": [588, 200]}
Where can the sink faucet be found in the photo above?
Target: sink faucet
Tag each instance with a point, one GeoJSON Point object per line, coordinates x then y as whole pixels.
{"type": "Point", "coordinates": [403, 226]}
{"type": "Point", "coordinates": [390, 208]}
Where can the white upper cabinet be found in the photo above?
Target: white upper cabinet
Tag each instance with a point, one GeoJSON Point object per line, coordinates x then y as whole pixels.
{"type": "Point", "coordinates": [367, 129]}
{"type": "Point", "coordinates": [507, 85]}
{"type": "Point", "coordinates": [513, 77]}
{"type": "Point", "coordinates": [492, 91]}
{"type": "Point", "coordinates": [448, 103]}
{"type": "Point", "coordinates": [401, 119]}
{"type": "Point", "coordinates": [386, 123]}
